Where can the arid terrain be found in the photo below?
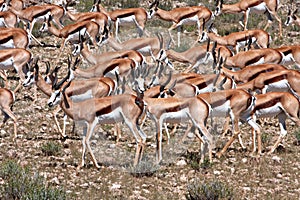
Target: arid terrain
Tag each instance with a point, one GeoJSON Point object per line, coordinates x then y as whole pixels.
{"type": "Point", "coordinates": [275, 176]}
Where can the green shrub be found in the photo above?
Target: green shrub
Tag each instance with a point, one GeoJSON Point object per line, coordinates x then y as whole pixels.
{"type": "Point", "coordinates": [213, 190]}
{"type": "Point", "coordinates": [20, 184]}
{"type": "Point", "coordinates": [144, 168]}
{"type": "Point", "coordinates": [297, 135]}
{"type": "Point", "coordinates": [51, 149]}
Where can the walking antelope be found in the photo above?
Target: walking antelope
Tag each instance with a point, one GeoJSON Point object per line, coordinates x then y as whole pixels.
{"type": "Point", "coordinates": [194, 56]}
{"type": "Point", "coordinates": [15, 59]}
{"type": "Point", "coordinates": [38, 13]}
{"type": "Point", "coordinates": [122, 66]}
{"type": "Point", "coordinates": [146, 46]}
{"type": "Point", "coordinates": [72, 31]}
{"type": "Point", "coordinates": [7, 99]}
{"type": "Point", "coordinates": [238, 39]}
{"type": "Point", "coordinates": [178, 110]}
{"type": "Point", "coordinates": [292, 18]}
{"type": "Point", "coordinates": [101, 19]}
{"type": "Point", "coordinates": [79, 89]}
{"type": "Point", "coordinates": [137, 16]}
{"type": "Point", "coordinates": [182, 16]}
{"type": "Point", "coordinates": [106, 110]}
{"type": "Point", "coordinates": [283, 80]}
{"type": "Point", "coordinates": [268, 7]}
{"type": "Point", "coordinates": [250, 72]}
{"type": "Point", "coordinates": [96, 58]}
{"type": "Point", "coordinates": [291, 54]}
{"type": "Point", "coordinates": [281, 104]}
{"type": "Point", "coordinates": [8, 19]}
{"type": "Point", "coordinates": [235, 103]}
{"type": "Point", "coordinates": [254, 57]}
{"type": "Point", "coordinates": [14, 38]}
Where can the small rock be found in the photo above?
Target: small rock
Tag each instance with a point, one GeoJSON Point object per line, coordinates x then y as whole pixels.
{"type": "Point", "coordinates": [279, 175]}
{"type": "Point", "coordinates": [190, 135]}
{"type": "Point", "coordinates": [247, 188]}
{"type": "Point", "coordinates": [112, 146]}
{"type": "Point", "coordinates": [183, 178]}
{"type": "Point", "coordinates": [276, 159]}
{"type": "Point", "coordinates": [55, 180]}
{"type": "Point", "coordinates": [85, 185]}
{"type": "Point", "coordinates": [11, 153]}
{"type": "Point", "coordinates": [232, 170]}
{"type": "Point", "coordinates": [217, 173]}
{"type": "Point", "coordinates": [244, 160]}
{"type": "Point", "coordinates": [115, 186]}
{"type": "Point", "coordinates": [2, 132]}
{"type": "Point", "coordinates": [181, 163]}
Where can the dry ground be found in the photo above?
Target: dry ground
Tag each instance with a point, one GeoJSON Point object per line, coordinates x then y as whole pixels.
{"type": "Point", "coordinates": [273, 176]}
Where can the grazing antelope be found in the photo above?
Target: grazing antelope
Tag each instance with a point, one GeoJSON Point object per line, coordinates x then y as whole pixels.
{"type": "Point", "coordinates": [14, 38]}
{"type": "Point", "coordinates": [137, 16]}
{"type": "Point", "coordinates": [182, 16]}
{"type": "Point", "coordinates": [15, 59]}
{"type": "Point", "coordinates": [95, 58]}
{"type": "Point", "coordinates": [268, 7]}
{"type": "Point", "coordinates": [238, 39]}
{"type": "Point", "coordinates": [194, 56]}
{"type": "Point", "coordinates": [292, 18]}
{"type": "Point", "coordinates": [72, 31]}
{"type": "Point", "coordinates": [106, 110]}
{"type": "Point", "coordinates": [283, 80]}
{"type": "Point", "coordinates": [281, 104]}
{"type": "Point", "coordinates": [7, 99]}
{"type": "Point", "coordinates": [254, 57]}
{"type": "Point", "coordinates": [8, 19]}
{"type": "Point", "coordinates": [291, 54]}
{"type": "Point", "coordinates": [38, 13]}
{"type": "Point", "coordinates": [250, 72]}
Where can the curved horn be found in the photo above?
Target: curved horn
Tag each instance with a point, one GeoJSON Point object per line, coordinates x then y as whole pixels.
{"type": "Point", "coordinates": [168, 80]}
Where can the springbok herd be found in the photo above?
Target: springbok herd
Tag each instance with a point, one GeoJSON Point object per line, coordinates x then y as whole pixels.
{"type": "Point", "coordinates": [138, 80]}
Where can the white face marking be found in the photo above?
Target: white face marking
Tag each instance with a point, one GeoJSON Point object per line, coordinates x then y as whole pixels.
{"type": "Point", "coordinates": [55, 98]}
{"type": "Point", "coordinates": [29, 80]}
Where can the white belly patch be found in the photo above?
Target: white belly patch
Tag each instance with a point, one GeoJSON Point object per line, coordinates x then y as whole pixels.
{"type": "Point", "coordinates": [8, 44]}
{"type": "Point", "coordinates": [260, 8]}
{"type": "Point", "coordinates": [189, 21]}
{"type": "Point", "coordinates": [176, 117]}
{"type": "Point", "coordinates": [111, 118]}
{"type": "Point", "coordinates": [81, 97]}
{"type": "Point", "coordinates": [280, 86]}
{"type": "Point", "coordinates": [222, 110]}
{"type": "Point", "coordinates": [270, 111]}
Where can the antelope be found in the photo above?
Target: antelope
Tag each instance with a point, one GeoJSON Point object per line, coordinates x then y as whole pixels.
{"type": "Point", "coordinates": [250, 72]}
{"type": "Point", "coordinates": [16, 59]}
{"type": "Point", "coordinates": [194, 56]}
{"type": "Point", "coordinates": [36, 13]}
{"type": "Point", "coordinates": [291, 54]}
{"type": "Point", "coordinates": [121, 66]}
{"type": "Point", "coordinates": [281, 104]}
{"type": "Point", "coordinates": [72, 31]}
{"type": "Point", "coordinates": [95, 58]}
{"type": "Point", "coordinates": [268, 7]}
{"type": "Point", "coordinates": [283, 80]}
{"type": "Point", "coordinates": [182, 16]}
{"type": "Point", "coordinates": [146, 46]}
{"type": "Point", "coordinates": [8, 19]}
{"type": "Point", "coordinates": [16, 4]}
{"type": "Point", "coordinates": [138, 16]}
{"type": "Point", "coordinates": [101, 19]}
{"type": "Point", "coordinates": [238, 39]}
{"type": "Point", "coordinates": [14, 38]}
{"type": "Point", "coordinates": [111, 109]}
{"type": "Point", "coordinates": [7, 99]}
{"type": "Point", "coordinates": [79, 89]}
{"type": "Point", "coordinates": [178, 110]}
{"type": "Point", "coordinates": [292, 18]}
{"type": "Point", "coordinates": [235, 103]}
{"type": "Point", "coordinates": [254, 57]}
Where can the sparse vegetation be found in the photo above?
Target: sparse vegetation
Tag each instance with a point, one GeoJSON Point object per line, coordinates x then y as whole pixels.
{"type": "Point", "coordinates": [205, 190]}
{"type": "Point", "coordinates": [51, 148]}
{"type": "Point", "coordinates": [19, 183]}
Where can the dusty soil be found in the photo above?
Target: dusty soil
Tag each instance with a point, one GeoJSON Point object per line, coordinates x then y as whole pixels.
{"type": "Point", "coordinates": [273, 176]}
